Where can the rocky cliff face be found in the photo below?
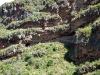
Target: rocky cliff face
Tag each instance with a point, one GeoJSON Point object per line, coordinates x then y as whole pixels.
{"type": "Point", "coordinates": [31, 22]}
{"type": "Point", "coordinates": [87, 43]}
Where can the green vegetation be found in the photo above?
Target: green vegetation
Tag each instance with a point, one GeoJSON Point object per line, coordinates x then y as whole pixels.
{"type": "Point", "coordinates": [95, 1]}
{"type": "Point", "coordinates": [9, 34]}
{"type": "Point", "coordinates": [89, 67]}
{"type": "Point", "coordinates": [43, 58]}
{"type": "Point", "coordinates": [97, 72]}
{"type": "Point", "coordinates": [97, 23]}
{"type": "Point", "coordinates": [30, 63]}
{"type": "Point", "coordinates": [50, 58]}
{"type": "Point", "coordinates": [60, 28]}
{"type": "Point", "coordinates": [87, 31]}
{"type": "Point", "coordinates": [91, 9]}
{"type": "Point", "coordinates": [11, 51]}
{"type": "Point", "coordinates": [33, 18]}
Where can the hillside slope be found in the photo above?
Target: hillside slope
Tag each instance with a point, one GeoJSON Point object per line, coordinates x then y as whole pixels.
{"type": "Point", "coordinates": [50, 37]}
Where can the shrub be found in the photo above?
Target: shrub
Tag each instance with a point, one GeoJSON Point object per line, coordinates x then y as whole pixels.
{"type": "Point", "coordinates": [30, 61]}
{"type": "Point", "coordinates": [49, 63]}
{"type": "Point", "coordinates": [27, 57]}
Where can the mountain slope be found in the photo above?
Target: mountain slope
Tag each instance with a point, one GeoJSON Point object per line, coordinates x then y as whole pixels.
{"type": "Point", "coordinates": [50, 37]}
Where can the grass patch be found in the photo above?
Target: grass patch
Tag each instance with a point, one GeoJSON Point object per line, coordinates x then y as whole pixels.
{"type": "Point", "coordinates": [52, 63]}
{"type": "Point", "coordinates": [87, 31]}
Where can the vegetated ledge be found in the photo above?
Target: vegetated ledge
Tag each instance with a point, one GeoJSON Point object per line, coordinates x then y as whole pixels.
{"type": "Point", "coordinates": [38, 20]}
{"type": "Point", "coordinates": [19, 10]}
{"type": "Point", "coordinates": [34, 51]}
{"type": "Point", "coordinates": [31, 36]}
{"type": "Point", "coordinates": [87, 67]}
{"type": "Point", "coordinates": [11, 51]}
{"type": "Point", "coordinates": [83, 18]}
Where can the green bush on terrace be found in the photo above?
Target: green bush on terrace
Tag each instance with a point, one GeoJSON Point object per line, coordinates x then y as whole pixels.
{"type": "Point", "coordinates": [85, 31]}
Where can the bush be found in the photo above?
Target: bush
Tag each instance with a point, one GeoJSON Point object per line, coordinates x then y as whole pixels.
{"type": "Point", "coordinates": [30, 61]}
{"type": "Point", "coordinates": [27, 57]}
{"type": "Point", "coordinates": [49, 63]}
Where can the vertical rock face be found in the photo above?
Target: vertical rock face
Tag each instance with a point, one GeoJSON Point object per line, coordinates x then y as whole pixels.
{"type": "Point", "coordinates": [87, 47]}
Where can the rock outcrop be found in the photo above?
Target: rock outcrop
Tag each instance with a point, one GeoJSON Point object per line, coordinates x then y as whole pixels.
{"type": "Point", "coordinates": [87, 44]}
{"type": "Point", "coordinates": [31, 22]}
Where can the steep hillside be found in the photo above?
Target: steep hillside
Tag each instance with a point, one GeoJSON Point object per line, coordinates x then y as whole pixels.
{"type": "Point", "coordinates": [50, 37]}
